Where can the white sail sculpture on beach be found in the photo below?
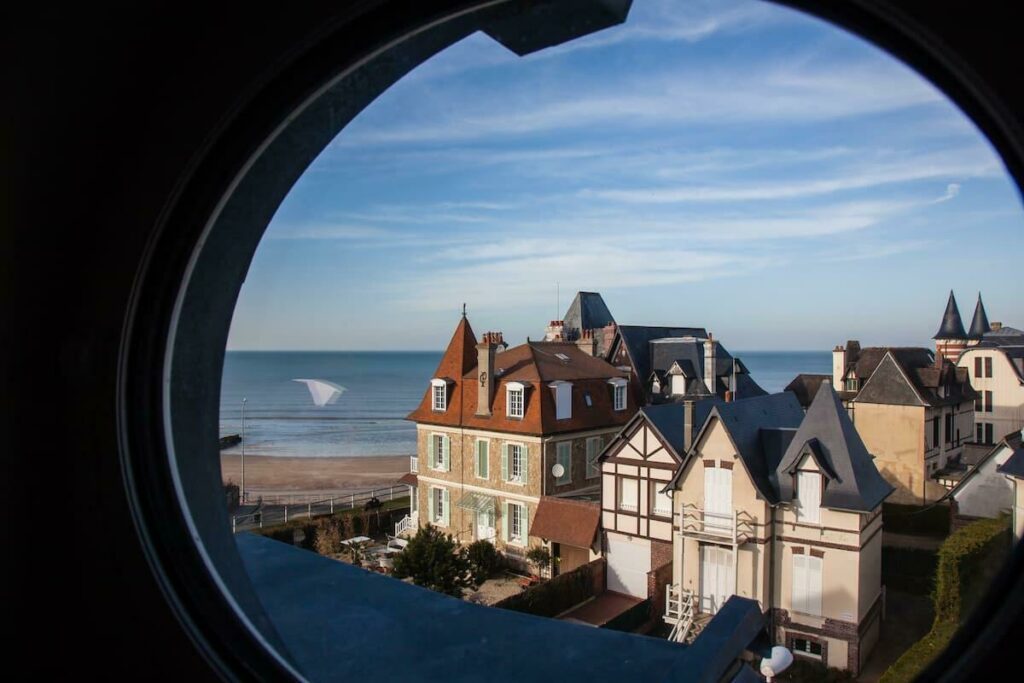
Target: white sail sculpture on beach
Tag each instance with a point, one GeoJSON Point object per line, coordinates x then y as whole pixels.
{"type": "Point", "coordinates": [324, 393]}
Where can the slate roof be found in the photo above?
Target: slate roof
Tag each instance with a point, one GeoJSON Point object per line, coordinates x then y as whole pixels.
{"type": "Point", "coordinates": [754, 426]}
{"type": "Point", "coordinates": [979, 324]}
{"type": "Point", "coordinates": [637, 340]}
{"type": "Point", "coordinates": [827, 434]}
{"type": "Point", "coordinates": [586, 312]}
{"type": "Point", "coordinates": [686, 354]}
{"type": "Point", "coordinates": [669, 421]}
{"type": "Point", "coordinates": [572, 522]}
{"type": "Point", "coordinates": [952, 327]}
{"type": "Point", "coordinates": [1011, 441]}
{"type": "Point", "coordinates": [806, 386]}
{"type": "Point", "coordinates": [909, 376]}
{"type": "Point", "coordinates": [1014, 465]}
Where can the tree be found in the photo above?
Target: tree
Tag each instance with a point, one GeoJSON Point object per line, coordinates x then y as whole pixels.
{"type": "Point", "coordinates": [540, 557]}
{"type": "Point", "coordinates": [436, 561]}
{"type": "Point", "coordinates": [483, 558]}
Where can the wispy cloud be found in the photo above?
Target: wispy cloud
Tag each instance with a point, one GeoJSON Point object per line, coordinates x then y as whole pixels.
{"type": "Point", "coordinates": [952, 190]}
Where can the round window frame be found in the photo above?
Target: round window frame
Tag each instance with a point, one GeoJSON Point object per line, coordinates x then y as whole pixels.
{"type": "Point", "coordinates": [207, 235]}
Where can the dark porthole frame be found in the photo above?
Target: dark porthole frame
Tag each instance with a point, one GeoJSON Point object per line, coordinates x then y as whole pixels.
{"type": "Point", "coordinates": [171, 352]}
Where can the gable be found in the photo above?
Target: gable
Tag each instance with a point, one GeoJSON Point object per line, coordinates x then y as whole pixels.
{"type": "Point", "coordinates": [889, 385]}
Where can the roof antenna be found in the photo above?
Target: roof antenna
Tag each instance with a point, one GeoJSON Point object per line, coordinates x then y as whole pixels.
{"type": "Point", "coordinates": [463, 310]}
{"type": "Point", "coordinates": [558, 300]}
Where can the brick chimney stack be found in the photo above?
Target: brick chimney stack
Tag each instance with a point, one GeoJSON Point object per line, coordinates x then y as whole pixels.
{"type": "Point", "coordinates": [710, 367]}
{"type": "Point", "coordinates": [688, 426]}
{"type": "Point", "coordinates": [838, 365]}
{"type": "Point", "coordinates": [587, 343]}
{"type": "Point", "coordinates": [555, 331]}
{"type": "Point", "coordinates": [486, 351]}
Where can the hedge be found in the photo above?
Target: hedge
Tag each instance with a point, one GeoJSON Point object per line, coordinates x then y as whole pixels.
{"type": "Point", "coordinates": [557, 595]}
{"type": "Point", "coordinates": [916, 520]}
{"type": "Point", "coordinates": [967, 561]}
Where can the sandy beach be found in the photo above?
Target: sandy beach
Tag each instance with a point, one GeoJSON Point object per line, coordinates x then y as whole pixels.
{"type": "Point", "coordinates": [276, 475]}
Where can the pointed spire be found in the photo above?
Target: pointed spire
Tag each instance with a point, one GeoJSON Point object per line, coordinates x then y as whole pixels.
{"type": "Point", "coordinates": [460, 356]}
{"type": "Point", "coordinates": [952, 326]}
{"type": "Point", "coordinates": [979, 326]}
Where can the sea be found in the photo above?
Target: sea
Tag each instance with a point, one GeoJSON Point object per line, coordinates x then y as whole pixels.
{"type": "Point", "coordinates": [379, 389]}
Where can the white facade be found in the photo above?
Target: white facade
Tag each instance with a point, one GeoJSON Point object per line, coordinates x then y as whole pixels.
{"type": "Point", "coordinates": [985, 492]}
{"type": "Point", "coordinates": [1006, 412]}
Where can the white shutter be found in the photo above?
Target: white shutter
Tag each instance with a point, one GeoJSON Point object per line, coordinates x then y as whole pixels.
{"type": "Point", "coordinates": [800, 583]}
{"type": "Point", "coordinates": [504, 521]}
{"type": "Point", "coordinates": [446, 443]}
{"type": "Point", "coordinates": [446, 507]}
{"type": "Point", "coordinates": [808, 491]}
{"type": "Point", "coordinates": [524, 523]}
{"type": "Point", "coordinates": [814, 585]}
{"type": "Point", "coordinates": [431, 455]}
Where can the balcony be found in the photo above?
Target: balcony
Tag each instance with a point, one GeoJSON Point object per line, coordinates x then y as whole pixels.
{"type": "Point", "coordinates": [414, 464]}
{"type": "Point", "coordinates": [733, 529]}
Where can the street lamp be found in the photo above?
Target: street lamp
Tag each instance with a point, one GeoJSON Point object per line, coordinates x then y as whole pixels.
{"type": "Point", "coordinates": [243, 450]}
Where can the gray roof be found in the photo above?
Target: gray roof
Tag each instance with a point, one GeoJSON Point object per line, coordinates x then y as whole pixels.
{"type": "Point", "coordinates": [688, 354]}
{"type": "Point", "coordinates": [586, 312]}
{"type": "Point", "coordinates": [952, 327]}
{"type": "Point", "coordinates": [637, 340]}
{"type": "Point", "coordinates": [754, 426]}
{"type": "Point", "coordinates": [1014, 465]}
{"type": "Point", "coordinates": [909, 376]}
{"type": "Point", "coordinates": [979, 324]}
{"type": "Point", "coordinates": [1004, 331]}
{"type": "Point", "coordinates": [668, 420]}
{"type": "Point", "coordinates": [806, 386]}
{"type": "Point", "coordinates": [827, 434]}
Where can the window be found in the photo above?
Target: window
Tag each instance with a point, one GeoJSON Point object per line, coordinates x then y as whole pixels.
{"type": "Point", "coordinates": [563, 400]}
{"type": "Point", "coordinates": [594, 445]}
{"type": "Point", "coordinates": [988, 366]}
{"type": "Point", "coordinates": [807, 584]}
{"type": "Point", "coordinates": [513, 463]}
{"type": "Point", "coordinates": [980, 432]}
{"type": "Point", "coordinates": [949, 427]}
{"type": "Point", "coordinates": [482, 451]}
{"type": "Point", "coordinates": [807, 648]}
{"type": "Point", "coordinates": [629, 494]}
{"type": "Point", "coordinates": [851, 384]}
{"type": "Point", "coordinates": [515, 401]}
{"type": "Point", "coordinates": [988, 401]}
{"type": "Point", "coordinates": [440, 453]}
{"type": "Point", "coordinates": [564, 458]}
{"type": "Point", "coordinates": [977, 367]}
{"type": "Point", "coordinates": [440, 394]}
{"type": "Point", "coordinates": [620, 397]}
{"type": "Point", "coordinates": [988, 434]}
{"type": "Point", "coordinates": [808, 491]}
{"type": "Point", "coordinates": [515, 524]}
{"type": "Point", "coordinates": [440, 506]}
{"type": "Point", "coordinates": [935, 433]}
{"type": "Point", "coordinates": [979, 403]}
{"type": "Point", "coordinates": [662, 501]}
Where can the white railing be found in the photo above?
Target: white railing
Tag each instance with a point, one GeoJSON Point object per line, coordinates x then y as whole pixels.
{"type": "Point", "coordinates": [406, 524]}
{"type": "Point", "coordinates": [737, 527]}
{"type": "Point", "coordinates": [678, 612]}
{"type": "Point", "coordinates": [414, 464]}
{"type": "Point", "coordinates": [272, 510]}
{"type": "Point", "coordinates": [627, 507]}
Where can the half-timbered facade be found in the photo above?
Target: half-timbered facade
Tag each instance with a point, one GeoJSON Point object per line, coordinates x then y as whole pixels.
{"type": "Point", "coordinates": [783, 508]}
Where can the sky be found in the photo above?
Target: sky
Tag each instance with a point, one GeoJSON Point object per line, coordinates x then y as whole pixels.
{"type": "Point", "coordinates": [737, 166]}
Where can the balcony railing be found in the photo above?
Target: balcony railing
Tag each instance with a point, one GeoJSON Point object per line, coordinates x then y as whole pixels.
{"type": "Point", "coordinates": [414, 464]}
{"type": "Point", "coordinates": [736, 528]}
{"type": "Point", "coordinates": [627, 507]}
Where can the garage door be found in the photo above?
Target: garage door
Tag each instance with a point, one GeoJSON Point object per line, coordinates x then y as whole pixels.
{"type": "Point", "coordinates": [628, 564]}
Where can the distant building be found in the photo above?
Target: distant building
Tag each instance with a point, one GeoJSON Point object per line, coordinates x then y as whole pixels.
{"type": "Point", "coordinates": [1013, 469]}
{"type": "Point", "coordinates": [984, 491]}
{"type": "Point", "coordinates": [994, 360]}
{"type": "Point", "coordinates": [498, 429]}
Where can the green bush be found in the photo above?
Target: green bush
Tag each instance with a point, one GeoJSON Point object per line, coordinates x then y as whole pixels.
{"type": "Point", "coordinates": [484, 559]}
{"type": "Point", "coordinates": [327, 536]}
{"type": "Point", "coordinates": [435, 560]}
{"type": "Point", "coordinates": [967, 560]}
{"type": "Point", "coordinates": [557, 595]}
{"type": "Point", "coordinates": [540, 557]}
{"type": "Point", "coordinates": [916, 520]}
{"type": "Point", "coordinates": [806, 671]}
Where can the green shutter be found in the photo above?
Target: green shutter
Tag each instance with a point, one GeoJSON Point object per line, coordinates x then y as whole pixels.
{"type": "Point", "coordinates": [482, 456]}
{"type": "Point", "coordinates": [525, 451]}
{"type": "Point", "coordinates": [564, 454]}
{"type": "Point", "coordinates": [504, 522]}
{"type": "Point", "coordinates": [447, 444]}
{"type": "Point", "coordinates": [445, 507]}
{"type": "Point", "coordinates": [430, 452]}
{"type": "Point", "coordinates": [504, 462]}
{"type": "Point", "coordinates": [525, 523]}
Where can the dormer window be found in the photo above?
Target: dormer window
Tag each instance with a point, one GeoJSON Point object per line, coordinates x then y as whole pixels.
{"type": "Point", "coordinates": [851, 384]}
{"type": "Point", "coordinates": [563, 399]}
{"type": "Point", "coordinates": [808, 492]}
{"type": "Point", "coordinates": [618, 393]}
{"type": "Point", "coordinates": [515, 399]}
{"type": "Point", "coordinates": [439, 390]}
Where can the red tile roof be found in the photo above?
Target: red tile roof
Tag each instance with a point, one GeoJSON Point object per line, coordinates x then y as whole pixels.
{"type": "Point", "coordinates": [561, 520]}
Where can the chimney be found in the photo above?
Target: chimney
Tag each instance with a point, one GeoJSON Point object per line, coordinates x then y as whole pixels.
{"type": "Point", "coordinates": [688, 425]}
{"type": "Point", "coordinates": [996, 326]}
{"type": "Point", "coordinates": [710, 368]}
{"type": "Point", "coordinates": [728, 397]}
{"type": "Point", "coordinates": [607, 337]}
{"type": "Point", "coordinates": [838, 365]}
{"type": "Point", "coordinates": [555, 331]}
{"type": "Point", "coordinates": [586, 343]}
{"type": "Point", "coordinates": [486, 350]}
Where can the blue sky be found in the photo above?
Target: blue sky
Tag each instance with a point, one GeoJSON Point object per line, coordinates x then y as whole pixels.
{"type": "Point", "coordinates": [733, 165]}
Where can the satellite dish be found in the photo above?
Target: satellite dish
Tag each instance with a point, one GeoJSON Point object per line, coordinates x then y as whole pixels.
{"type": "Point", "coordinates": [324, 393]}
{"type": "Point", "coordinates": [558, 470]}
{"type": "Point", "coordinates": [779, 661]}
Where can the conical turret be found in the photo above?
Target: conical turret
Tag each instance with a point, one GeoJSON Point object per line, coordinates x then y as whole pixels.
{"type": "Point", "coordinates": [952, 326]}
{"type": "Point", "coordinates": [979, 325]}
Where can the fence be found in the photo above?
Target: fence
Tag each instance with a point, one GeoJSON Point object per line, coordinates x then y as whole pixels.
{"type": "Point", "coordinates": [273, 510]}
